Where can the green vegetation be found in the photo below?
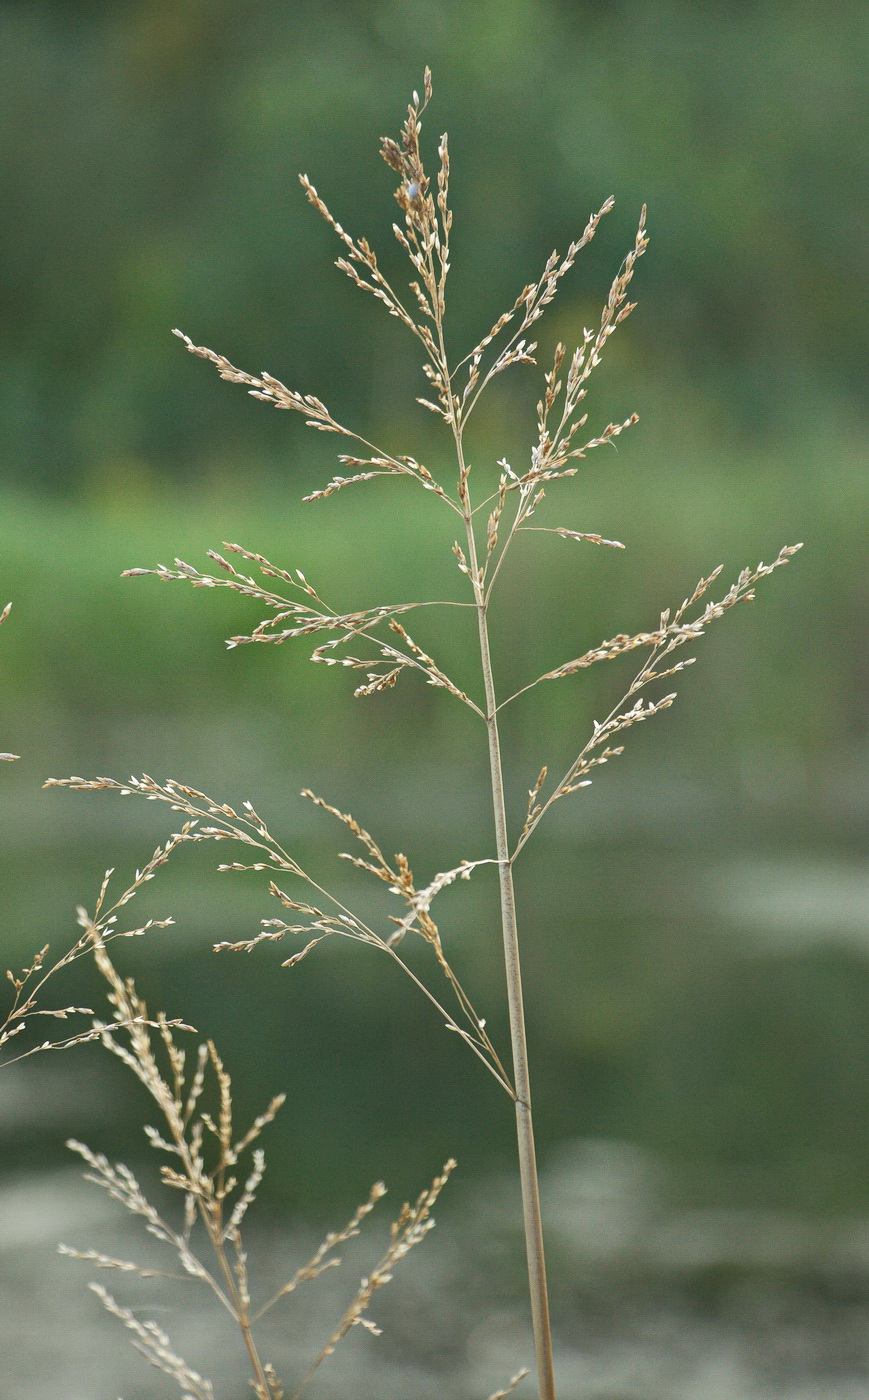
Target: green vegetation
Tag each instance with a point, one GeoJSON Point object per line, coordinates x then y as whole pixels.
{"type": "Point", "coordinates": [149, 150]}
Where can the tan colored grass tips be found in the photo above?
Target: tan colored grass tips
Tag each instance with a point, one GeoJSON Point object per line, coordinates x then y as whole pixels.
{"type": "Point", "coordinates": [491, 506]}
{"type": "Point", "coordinates": [216, 1170]}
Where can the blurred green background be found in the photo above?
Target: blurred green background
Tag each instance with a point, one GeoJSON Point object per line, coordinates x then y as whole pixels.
{"type": "Point", "coordinates": [696, 922]}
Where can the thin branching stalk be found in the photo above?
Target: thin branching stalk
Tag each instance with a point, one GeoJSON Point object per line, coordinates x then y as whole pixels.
{"type": "Point", "coordinates": [205, 1157]}
{"type": "Point", "coordinates": [562, 440]}
{"type": "Point", "coordinates": [28, 985]}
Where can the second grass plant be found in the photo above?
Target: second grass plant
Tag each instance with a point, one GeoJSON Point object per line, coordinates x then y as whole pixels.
{"type": "Point", "coordinates": [377, 643]}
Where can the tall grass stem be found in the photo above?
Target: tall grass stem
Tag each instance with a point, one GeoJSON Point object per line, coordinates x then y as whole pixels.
{"type": "Point", "coordinates": [531, 1212]}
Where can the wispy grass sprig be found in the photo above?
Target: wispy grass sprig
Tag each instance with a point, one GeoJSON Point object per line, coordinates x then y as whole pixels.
{"type": "Point", "coordinates": [206, 1168]}
{"type": "Point", "coordinates": [310, 618]}
{"type": "Point", "coordinates": [208, 820]}
{"type": "Point", "coordinates": [493, 514]}
{"type": "Point", "coordinates": [25, 1012]}
{"type": "Point", "coordinates": [410, 1229]}
{"type": "Point", "coordinates": [667, 638]}
{"type": "Point", "coordinates": [316, 415]}
{"type": "Point", "coordinates": [532, 302]}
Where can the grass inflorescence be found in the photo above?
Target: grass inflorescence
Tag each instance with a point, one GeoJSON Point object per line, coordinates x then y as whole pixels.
{"type": "Point", "coordinates": [490, 507]}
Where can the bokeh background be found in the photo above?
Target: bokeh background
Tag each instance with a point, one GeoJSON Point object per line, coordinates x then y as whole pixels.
{"type": "Point", "coordinates": [697, 922]}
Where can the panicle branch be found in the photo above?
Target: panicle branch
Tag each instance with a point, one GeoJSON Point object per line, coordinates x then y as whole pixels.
{"type": "Point", "coordinates": [381, 466]}
{"type": "Point", "coordinates": [383, 677]}
{"type": "Point", "coordinates": [29, 983]}
{"type": "Point", "coordinates": [502, 1394]}
{"type": "Point", "coordinates": [208, 820]}
{"type": "Point", "coordinates": [323, 1257]}
{"type": "Point", "coordinates": [308, 620]}
{"type": "Point", "coordinates": [673, 634]}
{"type": "Point", "coordinates": [317, 415]}
{"type": "Point", "coordinates": [156, 1347]}
{"type": "Point", "coordinates": [662, 642]}
{"type": "Point", "coordinates": [400, 880]}
{"type": "Point", "coordinates": [410, 1229]}
{"type": "Point", "coordinates": [532, 301]}
{"type": "Point", "coordinates": [556, 446]}
{"type": "Point", "coordinates": [270, 390]}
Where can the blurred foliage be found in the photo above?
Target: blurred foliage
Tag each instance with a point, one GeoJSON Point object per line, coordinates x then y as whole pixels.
{"type": "Point", "coordinates": [148, 155]}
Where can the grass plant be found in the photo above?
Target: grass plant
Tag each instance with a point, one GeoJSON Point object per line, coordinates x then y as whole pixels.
{"type": "Point", "coordinates": [376, 643]}
{"type": "Point", "coordinates": [217, 1171]}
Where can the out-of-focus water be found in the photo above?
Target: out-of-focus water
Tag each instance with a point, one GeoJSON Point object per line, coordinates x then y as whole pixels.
{"type": "Point", "coordinates": [652, 1301]}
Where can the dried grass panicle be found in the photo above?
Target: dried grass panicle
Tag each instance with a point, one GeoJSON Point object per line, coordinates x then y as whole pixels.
{"type": "Point", "coordinates": [206, 1151]}
{"type": "Point", "coordinates": [156, 1347]}
{"type": "Point", "coordinates": [493, 517]}
{"type": "Point", "coordinates": [670, 635]}
{"type": "Point", "coordinates": [309, 620]}
{"type": "Point", "coordinates": [209, 820]}
{"type": "Point", "coordinates": [28, 985]}
{"type": "Point", "coordinates": [667, 638]}
{"type": "Point", "coordinates": [410, 1229]}
{"type": "Point", "coordinates": [316, 415]}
